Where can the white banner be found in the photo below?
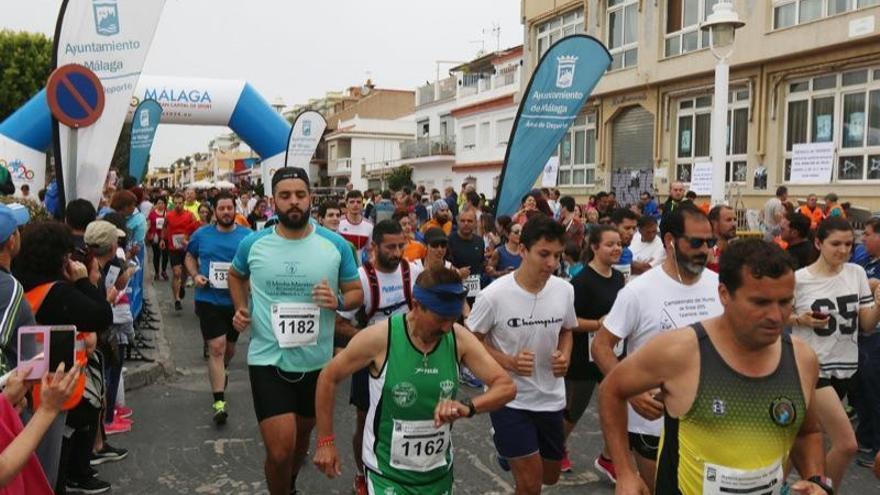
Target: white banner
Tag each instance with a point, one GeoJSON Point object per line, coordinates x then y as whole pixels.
{"type": "Point", "coordinates": [701, 179]}
{"type": "Point", "coordinates": [551, 172]}
{"type": "Point", "coordinates": [26, 165]}
{"type": "Point", "coordinates": [812, 163]}
{"type": "Point", "coordinates": [267, 170]}
{"type": "Point", "coordinates": [112, 38]}
{"type": "Point", "coordinates": [304, 136]}
{"type": "Point", "coordinates": [189, 100]}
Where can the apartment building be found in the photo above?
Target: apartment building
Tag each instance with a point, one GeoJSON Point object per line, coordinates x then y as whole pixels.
{"type": "Point", "coordinates": [802, 71]}
{"type": "Point", "coordinates": [431, 155]}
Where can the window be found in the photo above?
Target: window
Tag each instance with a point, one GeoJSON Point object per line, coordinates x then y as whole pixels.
{"type": "Point", "coordinates": [623, 33]}
{"type": "Point", "coordinates": [791, 12]}
{"type": "Point", "coordinates": [553, 30]}
{"type": "Point", "coordinates": [469, 137]}
{"type": "Point", "coordinates": [577, 153]}
{"type": "Point", "coordinates": [484, 135]}
{"type": "Point", "coordinates": [694, 135]}
{"type": "Point", "coordinates": [424, 127]}
{"type": "Point", "coordinates": [502, 130]}
{"type": "Point", "coordinates": [841, 108]}
{"type": "Point", "coordinates": [683, 18]}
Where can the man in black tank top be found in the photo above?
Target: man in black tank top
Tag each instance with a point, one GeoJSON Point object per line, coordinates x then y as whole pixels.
{"type": "Point", "coordinates": [738, 393]}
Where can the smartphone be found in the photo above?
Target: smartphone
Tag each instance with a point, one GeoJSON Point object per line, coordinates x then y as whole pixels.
{"type": "Point", "coordinates": [32, 350]}
{"type": "Point", "coordinates": [820, 315]}
{"type": "Point", "coordinates": [62, 341]}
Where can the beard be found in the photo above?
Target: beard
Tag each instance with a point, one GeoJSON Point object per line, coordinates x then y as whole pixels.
{"type": "Point", "coordinates": [293, 223]}
{"type": "Point", "coordinates": [387, 263]}
{"type": "Point", "coordinates": [225, 221]}
{"type": "Point", "coordinates": [693, 265]}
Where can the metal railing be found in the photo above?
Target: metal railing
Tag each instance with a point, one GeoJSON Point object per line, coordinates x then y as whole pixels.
{"type": "Point", "coordinates": [428, 146]}
{"type": "Point", "coordinates": [342, 163]}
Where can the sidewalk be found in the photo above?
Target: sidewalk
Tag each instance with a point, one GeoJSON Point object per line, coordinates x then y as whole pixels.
{"type": "Point", "coordinates": [140, 374]}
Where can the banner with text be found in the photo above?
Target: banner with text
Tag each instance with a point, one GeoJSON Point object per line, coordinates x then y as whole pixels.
{"type": "Point", "coordinates": [560, 85]}
{"type": "Point", "coordinates": [812, 163]}
{"type": "Point", "coordinates": [112, 38]}
{"type": "Point", "coordinates": [306, 132]}
{"type": "Point", "coordinates": [143, 130]}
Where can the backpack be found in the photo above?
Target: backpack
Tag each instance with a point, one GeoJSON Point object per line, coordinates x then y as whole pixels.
{"type": "Point", "coordinates": [364, 316]}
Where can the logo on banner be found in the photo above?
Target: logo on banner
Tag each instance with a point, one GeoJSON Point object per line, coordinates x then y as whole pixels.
{"type": "Point", "coordinates": [106, 17]}
{"type": "Point", "coordinates": [145, 118]}
{"type": "Point", "coordinates": [307, 128]}
{"type": "Point", "coordinates": [565, 71]}
{"type": "Point", "coordinates": [18, 170]}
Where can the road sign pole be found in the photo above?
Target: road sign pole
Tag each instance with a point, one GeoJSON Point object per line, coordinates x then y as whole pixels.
{"type": "Point", "coordinates": [70, 174]}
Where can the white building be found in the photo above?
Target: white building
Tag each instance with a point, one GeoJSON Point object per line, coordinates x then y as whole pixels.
{"type": "Point", "coordinates": [485, 107]}
{"type": "Point", "coordinates": [431, 154]}
{"type": "Point", "coordinates": [361, 148]}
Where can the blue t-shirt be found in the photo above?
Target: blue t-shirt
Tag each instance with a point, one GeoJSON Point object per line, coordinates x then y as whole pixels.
{"type": "Point", "coordinates": [626, 257]}
{"type": "Point", "coordinates": [209, 244]}
{"type": "Point", "coordinates": [285, 270]}
{"type": "Point", "coordinates": [137, 225]}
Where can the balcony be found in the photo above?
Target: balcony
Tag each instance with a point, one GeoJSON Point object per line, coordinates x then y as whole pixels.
{"type": "Point", "coordinates": [340, 166]}
{"type": "Point", "coordinates": [479, 85]}
{"type": "Point", "coordinates": [436, 91]}
{"type": "Point", "coordinates": [428, 146]}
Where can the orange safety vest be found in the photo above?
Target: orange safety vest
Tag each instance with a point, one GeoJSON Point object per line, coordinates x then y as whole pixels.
{"type": "Point", "coordinates": [35, 298]}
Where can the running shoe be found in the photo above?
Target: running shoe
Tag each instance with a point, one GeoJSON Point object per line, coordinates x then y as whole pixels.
{"type": "Point", "coordinates": [502, 463]}
{"type": "Point", "coordinates": [565, 465]}
{"type": "Point", "coordinates": [119, 425]}
{"type": "Point", "coordinates": [220, 413]}
{"type": "Point", "coordinates": [865, 459]}
{"type": "Point", "coordinates": [108, 454]}
{"type": "Point", "coordinates": [178, 306]}
{"type": "Point", "coordinates": [468, 379]}
{"type": "Point", "coordinates": [606, 467]}
{"type": "Point", "coordinates": [88, 486]}
{"type": "Point", "coordinates": [164, 276]}
{"type": "Point", "coordinates": [123, 412]}
{"type": "Point", "coordinates": [360, 485]}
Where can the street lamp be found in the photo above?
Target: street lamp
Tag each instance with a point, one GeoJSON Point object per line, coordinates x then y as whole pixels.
{"type": "Point", "coordinates": [722, 26]}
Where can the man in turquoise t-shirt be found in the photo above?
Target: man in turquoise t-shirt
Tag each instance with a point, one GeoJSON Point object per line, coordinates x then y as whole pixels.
{"type": "Point", "coordinates": [208, 257]}
{"type": "Point", "coordinates": [287, 282]}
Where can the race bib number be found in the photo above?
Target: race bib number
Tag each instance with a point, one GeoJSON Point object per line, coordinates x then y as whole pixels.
{"type": "Point", "coordinates": [618, 348]}
{"type": "Point", "coordinates": [472, 284]}
{"type": "Point", "coordinates": [160, 223]}
{"type": "Point", "coordinates": [722, 480]}
{"type": "Point", "coordinates": [295, 324]}
{"type": "Point", "coordinates": [218, 272]}
{"type": "Point", "coordinates": [177, 241]}
{"type": "Point", "coordinates": [418, 445]}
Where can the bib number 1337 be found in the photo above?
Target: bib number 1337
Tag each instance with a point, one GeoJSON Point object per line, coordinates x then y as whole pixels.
{"type": "Point", "coordinates": [295, 324]}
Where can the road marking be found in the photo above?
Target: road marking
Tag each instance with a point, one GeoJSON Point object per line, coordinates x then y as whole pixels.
{"type": "Point", "coordinates": [220, 443]}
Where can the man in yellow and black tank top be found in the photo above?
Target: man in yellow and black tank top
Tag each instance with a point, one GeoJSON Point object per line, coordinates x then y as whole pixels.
{"type": "Point", "coordinates": [738, 393]}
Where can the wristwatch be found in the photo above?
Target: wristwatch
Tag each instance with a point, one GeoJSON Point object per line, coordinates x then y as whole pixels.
{"type": "Point", "coordinates": [472, 410]}
{"type": "Point", "coordinates": [823, 482]}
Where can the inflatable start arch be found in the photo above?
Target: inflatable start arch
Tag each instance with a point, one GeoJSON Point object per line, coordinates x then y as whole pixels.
{"type": "Point", "coordinates": [190, 101]}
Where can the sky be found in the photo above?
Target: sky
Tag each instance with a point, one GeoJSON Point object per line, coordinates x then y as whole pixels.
{"type": "Point", "coordinates": [300, 49]}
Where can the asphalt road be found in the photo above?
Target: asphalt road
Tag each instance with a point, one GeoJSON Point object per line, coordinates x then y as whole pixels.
{"type": "Point", "coordinates": [174, 447]}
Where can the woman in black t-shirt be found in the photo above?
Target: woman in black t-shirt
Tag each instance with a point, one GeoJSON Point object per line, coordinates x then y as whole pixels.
{"type": "Point", "coordinates": [595, 289]}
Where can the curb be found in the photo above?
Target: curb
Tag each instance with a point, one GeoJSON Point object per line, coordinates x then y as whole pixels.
{"type": "Point", "coordinates": [143, 374]}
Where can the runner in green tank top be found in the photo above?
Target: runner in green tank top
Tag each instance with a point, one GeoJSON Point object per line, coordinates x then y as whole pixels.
{"type": "Point", "coordinates": [413, 361]}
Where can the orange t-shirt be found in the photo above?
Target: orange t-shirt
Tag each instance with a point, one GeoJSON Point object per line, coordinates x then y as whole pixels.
{"type": "Point", "coordinates": [414, 250]}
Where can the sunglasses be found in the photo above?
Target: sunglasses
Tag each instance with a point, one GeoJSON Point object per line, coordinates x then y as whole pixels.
{"type": "Point", "coordinates": [438, 244]}
{"type": "Point", "coordinates": [516, 231]}
{"type": "Point", "coordinates": [697, 242]}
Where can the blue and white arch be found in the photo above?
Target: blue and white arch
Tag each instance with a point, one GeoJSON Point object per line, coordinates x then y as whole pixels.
{"type": "Point", "coordinates": [26, 135]}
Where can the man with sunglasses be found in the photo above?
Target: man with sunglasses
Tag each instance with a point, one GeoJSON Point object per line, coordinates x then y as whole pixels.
{"type": "Point", "coordinates": [413, 361]}
{"type": "Point", "coordinates": [387, 281]}
{"type": "Point", "coordinates": [678, 293]}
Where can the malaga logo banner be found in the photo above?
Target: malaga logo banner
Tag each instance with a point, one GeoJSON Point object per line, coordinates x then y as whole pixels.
{"type": "Point", "coordinates": [560, 85]}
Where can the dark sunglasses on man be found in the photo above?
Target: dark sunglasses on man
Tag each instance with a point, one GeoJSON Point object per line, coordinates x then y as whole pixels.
{"type": "Point", "coordinates": [697, 242]}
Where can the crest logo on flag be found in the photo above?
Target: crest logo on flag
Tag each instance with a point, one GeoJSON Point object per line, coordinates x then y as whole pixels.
{"type": "Point", "coordinates": [106, 17]}
{"type": "Point", "coordinates": [307, 128]}
{"type": "Point", "coordinates": [565, 71]}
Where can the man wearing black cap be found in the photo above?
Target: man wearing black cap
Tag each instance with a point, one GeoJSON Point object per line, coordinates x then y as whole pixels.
{"type": "Point", "coordinates": [413, 360]}
{"type": "Point", "coordinates": [286, 283]}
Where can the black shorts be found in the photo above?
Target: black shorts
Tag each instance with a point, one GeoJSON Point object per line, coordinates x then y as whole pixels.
{"type": "Point", "coordinates": [359, 396]}
{"type": "Point", "coordinates": [216, 321]}
{"type": "Point", "coordinates": [279, 392]}
{"type": "Point", "coordinates": [176, 257]}
{"type": "Point", "coordinates": [841, 385]}
{"type": "Point", "coordinates": [645, 445]}
{"type": "Point", "coordinates": [577, 397]}
{"type": "Point", "coordinates": [521, 433]}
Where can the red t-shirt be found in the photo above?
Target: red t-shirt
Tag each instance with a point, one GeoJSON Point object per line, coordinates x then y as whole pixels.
{"type": "Point", "coordinates": [179, 224]}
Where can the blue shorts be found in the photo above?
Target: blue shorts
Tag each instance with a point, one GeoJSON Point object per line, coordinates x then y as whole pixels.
{"type": "Point", "coordinates": [520, 433]}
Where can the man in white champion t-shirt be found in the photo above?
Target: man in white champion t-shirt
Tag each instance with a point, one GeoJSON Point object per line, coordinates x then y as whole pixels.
{"type": "Point", "coordinates": [354, 227]}
{"type": "Point", "coordinates": [525, 319]}
{"type": "Point", "coordinates": [387, 280]}
{"type": "Point", "coordinates": [673, 295]}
